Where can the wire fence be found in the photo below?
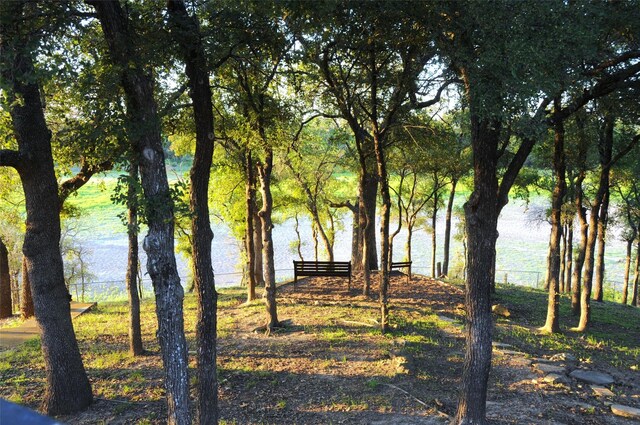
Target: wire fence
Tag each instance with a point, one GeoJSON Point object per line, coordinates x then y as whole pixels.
{"type": "Point", "coordinates": [116, 290]}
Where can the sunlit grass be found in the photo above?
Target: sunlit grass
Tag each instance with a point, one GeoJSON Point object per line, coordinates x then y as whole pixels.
{"type": "Point", "coordinates": [612, 336]}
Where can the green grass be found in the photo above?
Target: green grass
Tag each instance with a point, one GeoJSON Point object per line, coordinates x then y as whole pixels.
{"type": "Point", "coordinates": [612, 336]}
{"type": "Point", "coordinates": [337, 334]}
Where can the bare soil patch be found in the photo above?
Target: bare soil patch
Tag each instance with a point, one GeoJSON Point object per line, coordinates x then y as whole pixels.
{"type": "Point", "coordinates": [330, 364]}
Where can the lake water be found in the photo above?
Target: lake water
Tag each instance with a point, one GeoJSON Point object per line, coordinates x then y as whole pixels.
{"type": "Point", "coordinates": [522, 248]}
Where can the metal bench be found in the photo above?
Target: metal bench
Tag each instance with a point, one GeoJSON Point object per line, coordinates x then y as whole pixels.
{"type": "Point", "coordinates": [321, 268]}
{"type": "Point", "coordinates": [402, 265]}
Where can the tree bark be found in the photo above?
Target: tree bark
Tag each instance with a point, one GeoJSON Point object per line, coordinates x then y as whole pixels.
{"type": "Point", "coordinates": [356, 231]}
{"type": "Point", "coordinates": [563, 258]}
{"type": "Point", "coordinates": [552, 324]}
{"type": "Point", "coordinates": [135, 333]}
{"type": "Point", "coordinates": [264, 172]}
{"type": "Point", "coordinates": [481, 218]}
{"type": "Point", "coordinates": [250, 201]}
{"type": "Point", "coordinates": [366, 224]}
{"type": "Point", "coordinates": [384, 232]}
{"type": "Point", "coordinates": [26, 300]}
{"type": "Point", "coordinates": [569, 256]}
{"type": "Point", "coordinates": [257, 244]}
{"type": "Point", "coordinates": [581, 212]}
{"type": "Point", "coordinates": [434, 221]}
{"type": "Point", "coordinates": [447, 227]}
{"type": "Point", "coordinates": [602, 233]}
{"type": "Point", "coordinates": [187, 35]}
{"type": "Point", "coordinates": [144, 132]}
{"type": "Point", "coordinates": [635, 300]}
{"type": "Point", "coordinates": [606, 147]}
{"type": "Point", "coordinates": [627, 267]}
{"type": "Point", "coordinates": [68, 389]}
{"type": "Point", "coordinates": [6, 305]}
{"type": "Point", "coordinates": [407, 247]}
{"type": "Point", "coordinates": [367, 207]}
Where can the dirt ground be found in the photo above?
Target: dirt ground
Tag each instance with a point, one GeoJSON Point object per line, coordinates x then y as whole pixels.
{"type": "Point", "coordinates": [330, 365]}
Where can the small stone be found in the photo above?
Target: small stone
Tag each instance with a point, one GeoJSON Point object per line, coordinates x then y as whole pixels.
{"type": "Point", "coordinates": [548, 368]}
{"type": "Point", "coordinates": [583, 406]}
{"type": "Point", "coordinates": [563, 357]}
{"type": "Point", "coordinates": [542, 360]}
{"type": "Point", "coordinates": [554, 378]}
{"type": "Point", "coordinates": [591, 377]}
{"type": "Point", "coordinates": [519, 361]}
{"type": "Point", "coordinates": [625, 411]}
{"type": "Point", "coordinates": [511, 352]}
{"type": "Point", "coordinates": [501, 310]}
{"type": "Point", "coordinates": [602, 391]}
{"type": "Point", "coordinates": [501, 345]}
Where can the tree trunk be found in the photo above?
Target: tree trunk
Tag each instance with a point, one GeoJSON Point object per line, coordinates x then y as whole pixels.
{"type": "Point", "coordinates": [481, 211]}
{"type": "Point", "coordinates": [635, 300]}
{"type": "Point", "coordinates": [581, 212]}
{"type": "Point", "coordinates": [447, 227]}
{"type": "Point", "coordinates": [552, 324]}
{"type": "Point", "coordinates": [144, 131]}
{"type": "Point", "coordinates": [602, 233]}
{"type": "Point", "coordinates": [367, 209]}
{"type": "Point", "coordinates": [328, 246]}
{"type": "Point", "coordinates": [6, 305]}
{"type": "Point", "coordinates": [187, 35]}
{"type": "Point", "coordinates": [434, 221]}
{"type": "Point", "coordinates": [384, 233]}
{"type": "Point", "coordinates": [569, 256]}
{"type": "Point", "coordinates": [314, 236]}
{"type": "Point", "coordinates": [26, 300]}
{"type": "Point", "coordinates": [257, 244]}
{"type": "Point", "coordinates": [365, 223]}
{"type": "Point", "coordinates": [250, 197]}
{"type": "Point", "coordinates": [606, 148]}
{"type": "Point", "coordinates": [135, 333]}
{"type": "Point", "coordinates": [68, 389]}
{"type": "Point", "coordinates": [563, 258]}
{"type": "Point", "coordinates": [299, 242]}
{"type": "Point", "coordinates": [627, 267]}
{"type": "Point", "coordinates": [407, 247]}
{"type": "Point", "coordinates": [356, 249]}
{"type": "Point", "coordinates": [264, 172]}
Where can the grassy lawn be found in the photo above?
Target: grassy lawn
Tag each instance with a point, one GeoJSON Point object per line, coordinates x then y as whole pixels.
{"type": "Point", "coordinates": [332, 364]}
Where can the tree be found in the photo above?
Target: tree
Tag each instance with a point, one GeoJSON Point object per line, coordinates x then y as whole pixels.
{"type": "Point", "coordinates": [607, 160]}
{"type": "Point", "coordinates": [371, 72]}
{"type": "Point", "coordinates": [312, 164]}
{"type": "Point", "coordinates": [489, 52]}
{"type": "Point", "coordinates": [628, 190]}
{"type": "Point", "coordinates": [133, 259]}
{"type": "Point", "coordinates": [68, 389]}
{"type": "Point", "coordinates": [6, 306]}
{"type": "Point", "coordinates": [186, 32]}
{"type": "Point", "coordinates": [552, 323]}
{"type": "Point", "coordinates": [252, 79]}
{"type": "Point", "coordinates": [144, 135]}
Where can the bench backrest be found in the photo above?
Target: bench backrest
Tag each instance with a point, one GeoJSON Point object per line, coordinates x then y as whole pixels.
{"type": "Point", "coordinates": [400, 263]}
{"type": "Point", "coordinates": [328, 267]}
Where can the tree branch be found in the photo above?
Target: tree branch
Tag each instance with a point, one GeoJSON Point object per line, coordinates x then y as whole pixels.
{"type": "Point", "coordinates": [518, 160]}
{"type": "Point", "coordinates": [624, 151]}
{"type": "Point", "coordinates": [76, 182]}
{"type": "Point", "coordinates": [603, 87]}
{"type": "Point", "coordinates": [10, 158]}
